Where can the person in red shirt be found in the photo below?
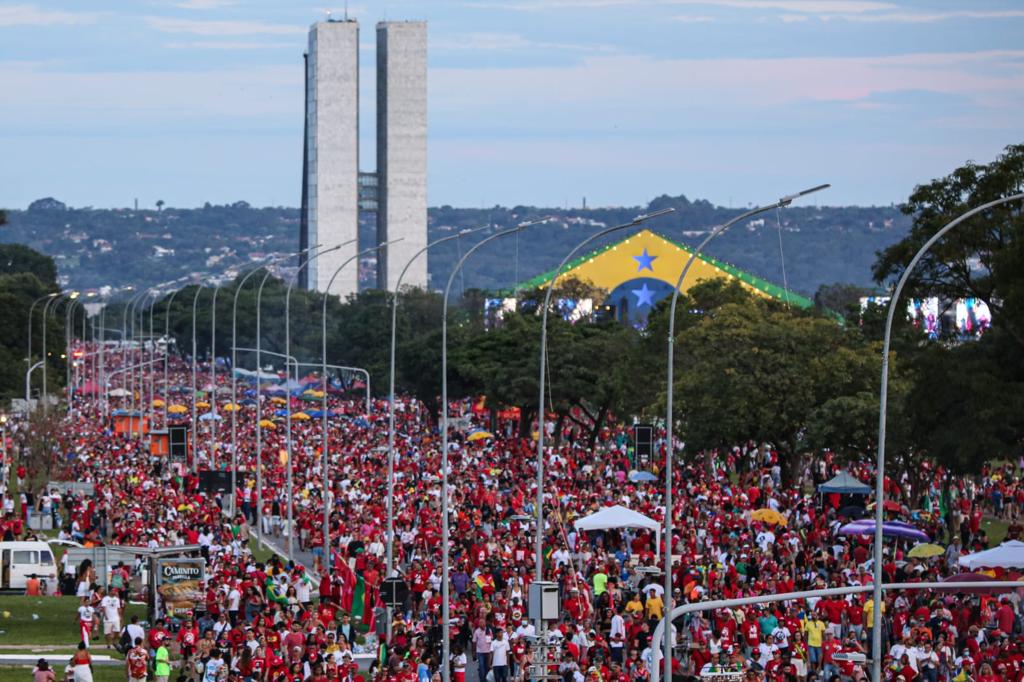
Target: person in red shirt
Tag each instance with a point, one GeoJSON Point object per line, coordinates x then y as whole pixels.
{"type": "Point", "coordinates": [188, 637]}
{"type": "Point", "coordinates": [156, 636]}
{"type": "Point", "coordinates": [830, 646]}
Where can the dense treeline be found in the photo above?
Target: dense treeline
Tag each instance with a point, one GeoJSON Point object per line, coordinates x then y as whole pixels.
{"type": "Point", "coordinates": [747, 367]}
{"type": "Point", "coordinates": [141, 248]}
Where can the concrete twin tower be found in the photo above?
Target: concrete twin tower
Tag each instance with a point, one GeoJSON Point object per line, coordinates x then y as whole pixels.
{"type": "Point", "coordinates": [334, 190]}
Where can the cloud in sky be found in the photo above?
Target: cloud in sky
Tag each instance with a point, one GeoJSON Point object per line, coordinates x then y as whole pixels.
{"type": "Point", "coordinates": [506, 42]}
{"type": "Point", "coordinates": [205, 4]}
{"type": "Point", "coordinates": [925, 17]}
{"type": "Point", "coordinates": [227, 45]}
{"type": "Point", "coordinates": [31, 15]}
{"type": "Point", "coordinates": [809, 6]}
{"type": "Point", "coordinates": [217, 27]}
{"type": "Point", "coordinates": [617, 99]}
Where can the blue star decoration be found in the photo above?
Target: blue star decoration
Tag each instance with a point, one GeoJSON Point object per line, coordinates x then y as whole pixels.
{"type": "Point", "coordinates": [644, 296]}
{"type": "Point", "coordinates": [645, 261]}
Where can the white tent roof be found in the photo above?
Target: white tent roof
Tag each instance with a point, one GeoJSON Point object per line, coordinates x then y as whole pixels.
{"type": "Point", "coordinates": [616, 517]}
{"type": "Point", "coordinates": [1007, 555]}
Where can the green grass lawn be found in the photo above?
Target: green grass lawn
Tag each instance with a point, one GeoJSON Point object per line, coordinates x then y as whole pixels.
{"type": "Point", "coordinates": [995, 529]}
{"type": "Point", "coordinates": [100, 673]}
{"type": "Point", "coordinates": [55, 621]}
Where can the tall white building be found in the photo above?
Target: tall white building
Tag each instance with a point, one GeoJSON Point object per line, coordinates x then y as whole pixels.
{"type": "Point", "coordinates": [402, 150]}
{"type": "Point", "coordinates": [334, 190]}
{"type": "Point", "coordinates": [332, 153]}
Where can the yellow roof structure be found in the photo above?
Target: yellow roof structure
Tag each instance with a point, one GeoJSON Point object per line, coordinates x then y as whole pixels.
{"type": "Point", "coordinates": [642, 269]}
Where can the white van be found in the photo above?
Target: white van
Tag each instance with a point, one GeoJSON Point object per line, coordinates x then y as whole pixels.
{"type": "Point", "coordinates": [19, 560]}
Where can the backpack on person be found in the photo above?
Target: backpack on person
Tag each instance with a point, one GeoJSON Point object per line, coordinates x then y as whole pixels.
{"type": "Point", "coordinates": [124, 643]}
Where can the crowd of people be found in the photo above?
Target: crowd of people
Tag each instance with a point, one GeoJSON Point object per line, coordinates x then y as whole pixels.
{"type": "Point", "coordinates": [323, 619]}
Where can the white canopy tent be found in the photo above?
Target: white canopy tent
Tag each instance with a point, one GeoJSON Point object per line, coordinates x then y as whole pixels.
{"type": "Point", "coordinates": [619, 517]}
{"type": "Point", "coordinates": [1007, 555]}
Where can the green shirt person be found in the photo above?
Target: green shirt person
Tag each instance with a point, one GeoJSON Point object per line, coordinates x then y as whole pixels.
{"type": "Point", "coordinates": [162, 669]}
{"type": "Point", "coordinates": [600, 583]}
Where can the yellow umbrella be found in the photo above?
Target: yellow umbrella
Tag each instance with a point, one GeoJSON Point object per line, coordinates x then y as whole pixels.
{"type": "Point", "coordinates": [177, 409]}
{"type": "Point", "coordinates": [925, 550]}
{"type": "Point", "coordinates": [301, 416]}
{"type": "Point", "coordinates": [278, 401]}
{"type": "Point", "coordinates": [203, 405]}
{"type": "Point", "coordinates": [479, 435]}
{"type": "Point", "coordinates": [231, 407]}
{"type": "Point", "coordinates": [158, 403]}
{"type": "Point", "coordinates": [769, 516]}
{"type": "Point", "coordinates": [267, 424]}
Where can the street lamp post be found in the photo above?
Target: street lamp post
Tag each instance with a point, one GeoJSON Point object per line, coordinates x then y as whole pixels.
{"type": "Point", "coordinates": [784, 201]}
{"type": "Point", "coordinates": [445, 580]}
{"type": "Point", "coordinates": [876, 623]}
{"type": "Point", "coordinates": [195, 363]}
{"type": "Point", "coordinates": [325, 458]}
{"type": "Point", "coordinates": [391, 404]}
{"type": "Point", "coordinates": [288, 392]}
{"type": "Point", "coordinates": [167, 350]}
{"type": "Point", "coordinates": [69, 335]}
{"type": "Point", "coordinates": [234, 387]}
{"type": "Point", "coordinates": [213, 377]}
{"type": "Point", "coordinates": [539, 559]}
{"type": "Point", "coordinates": [46, 308]}
{"type": "Point", "coordinates": [28, 380]}
{"type": "Point", "coordinates": [31, 312]}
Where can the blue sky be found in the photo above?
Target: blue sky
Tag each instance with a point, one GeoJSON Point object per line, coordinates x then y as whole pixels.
{"type": "Point", "coordinates": [531, 101]}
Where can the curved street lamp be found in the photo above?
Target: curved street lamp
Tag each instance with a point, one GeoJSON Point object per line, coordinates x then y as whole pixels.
{"type": "Point", "coordinates": [234, 379]}
{"type": "Point", "coordinates": [391, 401]}
{"type": "Point", "coordinates": [325, 462]}
{"type": "Point", "coordinates": [670, 379]}
{"type": "Point", "coordinates": [288, 393]}
{"type": "Point", "coordinates": [445, 581]}
{"type": "Point", "coordinates": [876, 622]}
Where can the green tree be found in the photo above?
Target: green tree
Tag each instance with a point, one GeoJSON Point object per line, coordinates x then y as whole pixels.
{"type": "Point", "coordinates": [963, 399]}
{"type": "Point", "coordinates": [980, 258]}
{"type": "Point", "coordinates": [760, 371]}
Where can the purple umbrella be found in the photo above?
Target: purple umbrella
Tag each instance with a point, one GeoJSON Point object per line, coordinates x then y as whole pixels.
{"type": "Point", "coordinates": [895, 529]}
{"type": "Point", "coordinates": [974, 578]}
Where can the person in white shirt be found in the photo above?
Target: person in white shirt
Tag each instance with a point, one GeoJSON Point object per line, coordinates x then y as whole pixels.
{"type": "Point", "coordinates": [499, 656]}
{"type": "Point", "coordinates": [111, 607]}
{"type": "Point", "coordinates": [234, 602]}
{"type": "Point", "coordinates": [136, 631]}
{"type": "Point", "coordinates": [765, 651]}
{"type": "Point", "coordinates": [86, 620]}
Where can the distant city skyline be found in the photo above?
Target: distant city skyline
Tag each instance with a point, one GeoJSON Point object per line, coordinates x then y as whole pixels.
{"type": "Point", "coordinates": [539, 102]}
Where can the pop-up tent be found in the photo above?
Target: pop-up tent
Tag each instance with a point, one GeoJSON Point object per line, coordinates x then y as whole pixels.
{"type": "Point", "coordinates": [844, 484]}
{"type": "Point", "coordinates": [1007, 555]}
{"type": "Point", "coordinates": [619, 517]}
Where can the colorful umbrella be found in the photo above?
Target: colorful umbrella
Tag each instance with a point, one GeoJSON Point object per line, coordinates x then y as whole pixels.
{"type": "Point", "coordinates": [158, 403]}
{"type": "Point", "coordinates": [231, 407]}
{"type": "Point", "coordinates": [973, 578]}
{"type": "Point", "coordinates": [638, 476]}
{"type": "Point", "coordinates": [177, 409]}
{"type": "Point", "coordinates": [893, 529]}
{"type": "Point", "coordinates": [479, 435]}
{"type": "Point", "coordinates": [891, 506]}
{"type": "Point", "coordinates": [267, 424]}
{"type": "Point", "coordinates": [279, 401]}
{"type": "Point", "coordinates": [202, 405]}
{"type": "Point", "coordinates": [769, 516]}
{"type": "Point", "coordinates": [300, 416]}
{"type": "Point", "coordinates": [925, 550]}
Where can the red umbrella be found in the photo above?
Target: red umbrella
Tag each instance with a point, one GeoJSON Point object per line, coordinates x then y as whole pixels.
{"type": "Point", "coordinates": [891, 506]}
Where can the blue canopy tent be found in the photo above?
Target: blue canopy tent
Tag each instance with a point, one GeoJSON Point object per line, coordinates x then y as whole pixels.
{"type": "Point", "coordinates": [844, 484]}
